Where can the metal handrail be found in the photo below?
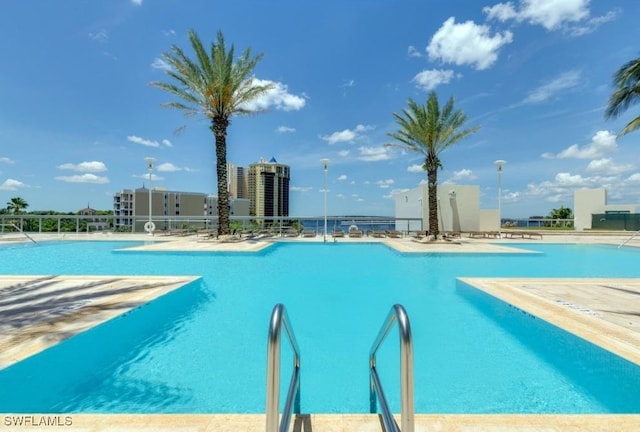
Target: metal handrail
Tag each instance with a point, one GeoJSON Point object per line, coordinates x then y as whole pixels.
{"type": "Point", "coordinates": [20, 231]}
{"type": "Point", "coordinates": [635, 234]}
{"type": "Point", "coordinates": [279, 318]}
{"type": "Point", "coordinates": [399, 315]}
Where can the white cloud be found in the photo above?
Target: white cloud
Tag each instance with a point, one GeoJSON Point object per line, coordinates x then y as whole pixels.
{"type": "Point", "coordinates": [385, 184]}
{"type": "Point", "coordinates": [348, 83]}
{"type": "Point", "coordinates": [463, 174]}
{"type": "Point", "coordinates": [93, 166]}
{"type": "Point", "coordinates": [84, 178]}
{"type": "Point", "coordinates": [168, 167]}
{"type": "Point", "coordinates": [154, 177]}
{"type": "Point", "coordinates": [413, 51]}
{"type": "Point", "coordinates": [430, 79]}
{"type": "Point", "coordinates": [148, 143]}
{"type": "Point", "coordinates": [564, 81]}
{"type": "Point", "coordinates": [607, 166]}
{"type": "Point", "coordinates": [170, 32]}
{"type": "Point", "coordinates": [592, 24]}
{"type": "Point", "coordinates": [551, 14]}
{"type": "Point", "coordinates": [563, 186]}
{"type": "Point", "coordinates": [161, 64]}
{"type": "Point", "coordinates": [137, 2]}
{"type": "Point", "coordinates": [285, 129]}
{"type": "Point", "coordinates": [6, 160]}
{"type": "Point", "coordinates": [633, 178]}
{"type": "Point", "coordinates": [278, 97]}
{"type": "Point", "coordinates": [415, 168]}
{"type": "Point", "coordinates": [374, 154]}
{"type": "Point", "coordinates": [501, 11]}
{"type": "Point", "coordinates": [347, 135]}
{"type": "Point", "coordinates": [602, 142]}
{"type": "Point", "coordinates": [301, 188]}
{"type": "Point", "coordinates": [342, 177]}
{"type": "Point", "coordinates": [344, 153]}
{"type": "Point", "coordinates": [467, 44]}
{"type": "Point", "coordinates": [100, 36]}
{"type": "Point", "coordinates": [11, 184]}
{"type": "Point", "coordinates": [571, 16]}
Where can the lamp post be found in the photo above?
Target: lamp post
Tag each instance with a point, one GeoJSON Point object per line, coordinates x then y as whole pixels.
{"type": "Point", "coordinates": [499, 164]}
{"type": "Point", "coordinates": [149, 226]}
{"type": "Point", "coordinates": [325, 167]}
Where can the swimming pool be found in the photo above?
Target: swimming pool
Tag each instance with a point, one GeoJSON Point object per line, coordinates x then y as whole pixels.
{"type": "Point", "coordinates": [203, 348]}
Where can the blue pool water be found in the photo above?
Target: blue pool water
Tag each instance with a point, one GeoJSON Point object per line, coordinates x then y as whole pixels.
{"type": "Point", "coordinates": [202, 348]}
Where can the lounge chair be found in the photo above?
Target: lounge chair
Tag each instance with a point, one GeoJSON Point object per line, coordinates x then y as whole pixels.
{"type": "Point", "coordinates": [291, 232]}
{"type": "Point", "coordinates": [394, 234]}
{"type": "Point", "coordinates": [355, 233]}
{"type": "Point", "coordinates": [337, 233]}
{"type": "Point", "coordinates": [451, 234]}
{"type": "Point", "coordinates": [379, 234]}
{"type": "Point", "coordinates": [309, 233]}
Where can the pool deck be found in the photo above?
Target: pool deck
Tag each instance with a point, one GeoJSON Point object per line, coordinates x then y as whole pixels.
{"type": "Point", "coordinates": [37, 312]}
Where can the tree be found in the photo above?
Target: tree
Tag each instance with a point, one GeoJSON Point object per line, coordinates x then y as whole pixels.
{"type": "Point", "coordinates": [561, 213]}
{"type": "Point", "coordinates": [627, 92]}
{"type": "Point", "coordinates": [429, 130]}
{"type": "Point", "coordinates": [16, 205]}
{"type": "Point", "coordinates": [216, 86]}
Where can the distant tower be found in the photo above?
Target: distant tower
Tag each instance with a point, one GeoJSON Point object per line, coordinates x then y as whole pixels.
{"type": "Point", "coordinates": [238, 182]}
{"type": "Point", "coordinates": [269, 188]}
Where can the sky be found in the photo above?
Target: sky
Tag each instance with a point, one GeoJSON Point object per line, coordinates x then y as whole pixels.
{"type": "Point", "coordinates": [78, 115]}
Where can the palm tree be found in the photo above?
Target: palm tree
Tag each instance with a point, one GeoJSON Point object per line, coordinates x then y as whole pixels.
{"type": "Point", "coordinates": [627, 92]}
{"type": "Point", "coordinates": [428, 130]}
{"type": "Point", "coordinates": [16, 204]}
{"type": "Point", "coordinates": [216, 85]}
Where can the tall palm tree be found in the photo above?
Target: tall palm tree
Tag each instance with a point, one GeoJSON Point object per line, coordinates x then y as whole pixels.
{"type": "Point", "coordinates": [216, 85]}
{"type": "Point", "coordinates": [627, 92]}
{"type": "Point", "coordinates": [429, 129]}
{"type": "Point", "coordinates": [16, 204]}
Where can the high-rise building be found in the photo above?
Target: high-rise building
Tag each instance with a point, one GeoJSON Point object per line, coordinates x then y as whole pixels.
{"type": "Point", "coordinates": [268, 188]}
{"type": "Point", "coordinates": [238, 181]}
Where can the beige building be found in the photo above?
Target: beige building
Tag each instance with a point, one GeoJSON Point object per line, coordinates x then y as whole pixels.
{"type": "Point", "coordinates": [238, 180]}
{"type": "Point", "coordinates": [268, 188]}
{"type": "Point", "coordinates": [169, 209]}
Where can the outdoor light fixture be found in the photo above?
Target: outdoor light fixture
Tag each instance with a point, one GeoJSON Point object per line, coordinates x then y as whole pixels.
{"type": "Point", "coordinates": [499, 164]}
{"type": "Point", "coordinates": [150, 226]}
{"type": "Point", "coordinates": [325, 167]}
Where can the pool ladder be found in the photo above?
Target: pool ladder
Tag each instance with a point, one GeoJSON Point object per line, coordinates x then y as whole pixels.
{"type": "Point", "coordinates": [397, 314]}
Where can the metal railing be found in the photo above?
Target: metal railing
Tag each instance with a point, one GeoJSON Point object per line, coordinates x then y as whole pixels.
{"type": "Point", "coordinates": [17, 228]}
{"type": "Point", "coordinates": [634, 235]}
{"type": "Point", "coordinates": [399, 315]}
{"type": "Point", "coordinates": [279, 319]}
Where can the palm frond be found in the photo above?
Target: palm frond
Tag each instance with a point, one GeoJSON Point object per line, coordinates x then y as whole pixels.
{"type": "Point", "coordinates": [627, 89]}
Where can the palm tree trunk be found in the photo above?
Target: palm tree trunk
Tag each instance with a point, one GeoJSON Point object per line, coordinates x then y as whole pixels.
{"type": "Point", "coordinates": [432, 177]}
{"type": "Point", "coordinates": [219, 127]}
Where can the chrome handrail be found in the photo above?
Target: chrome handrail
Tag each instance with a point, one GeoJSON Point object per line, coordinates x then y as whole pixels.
{"type": "Point", "coordinates": [20, 231]}
{"type": "Point", "coordinates": [399, 315]}
{"type": "Point", "coordinates": [635, 234]}
{"type": "Point", "coordinates": [279, 318]}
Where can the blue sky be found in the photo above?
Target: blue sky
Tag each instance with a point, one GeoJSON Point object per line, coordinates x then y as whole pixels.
{"type": "Point", "coordinates": [78, 116]}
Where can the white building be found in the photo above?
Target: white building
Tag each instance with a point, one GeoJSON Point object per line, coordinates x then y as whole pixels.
{"type": "Point", "coordinates": [458, 209]}
{"type": "Point", "coordinates": [589, 202]}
